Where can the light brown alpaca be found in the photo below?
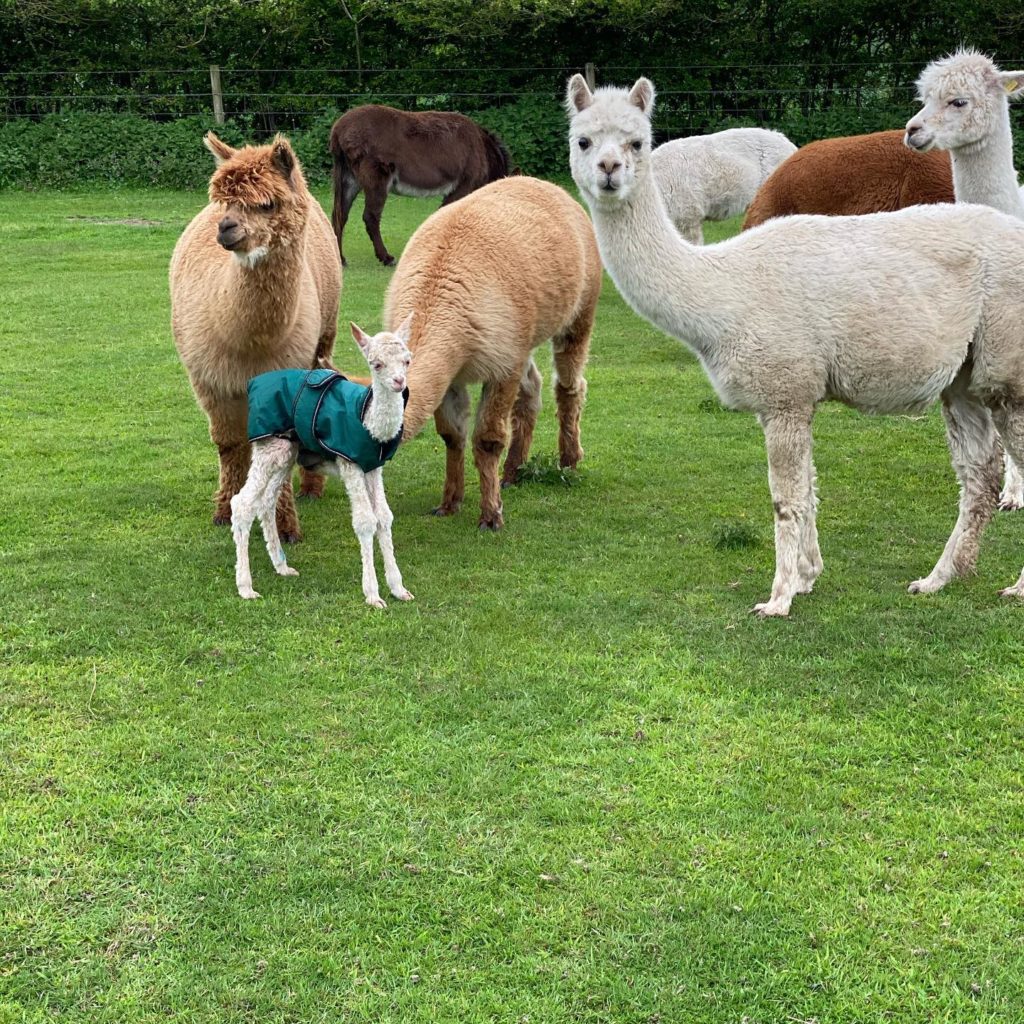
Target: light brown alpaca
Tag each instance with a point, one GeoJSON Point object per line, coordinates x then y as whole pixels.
{"type": "Point", "coordinates": [490, 278]}
{"type": "Point", "coordinates": [255, 280]}
{"type": "Point", "coordinates": [852, 175]}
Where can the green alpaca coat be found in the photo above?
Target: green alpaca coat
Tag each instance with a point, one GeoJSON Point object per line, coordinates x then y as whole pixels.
{"type": "Point", "coordinates": [323, 411]}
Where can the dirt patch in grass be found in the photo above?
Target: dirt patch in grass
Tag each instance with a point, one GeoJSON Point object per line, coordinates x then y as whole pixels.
{"type": "Point", "coordinates": [131, 222]}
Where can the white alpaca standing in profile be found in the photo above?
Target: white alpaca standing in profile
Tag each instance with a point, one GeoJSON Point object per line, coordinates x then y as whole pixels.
{"type": "Point", "coordinates": [715, 177]}
{"type": "Point", "coordinates": [966, 111]}
{"type": "Point", "coordinates": [369, 424]}
{"type": "Point", "coordinates": [886, 312]}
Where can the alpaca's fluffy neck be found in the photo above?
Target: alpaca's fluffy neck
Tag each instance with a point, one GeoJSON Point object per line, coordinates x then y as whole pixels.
{"type": "Point", "coordinates": [265, 295]}
{"type": "Point", "coordinates": [387, 407]}
{"type": "Point", "coordinates": [983, 171]}
{"type": "Point", "coordinates": [664, 278]}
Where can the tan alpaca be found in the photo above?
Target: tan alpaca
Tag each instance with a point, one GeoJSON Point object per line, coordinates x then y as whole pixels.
{"type": "Point", "coordinates": [490, 278]}
{"type": "Point", "coordinates": [255, 280]}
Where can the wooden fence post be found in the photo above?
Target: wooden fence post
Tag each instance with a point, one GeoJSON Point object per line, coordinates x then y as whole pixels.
{"type": "Point", "coordinates": [217, 93]}
{"type": "Point", "coordinates": [590, 74]}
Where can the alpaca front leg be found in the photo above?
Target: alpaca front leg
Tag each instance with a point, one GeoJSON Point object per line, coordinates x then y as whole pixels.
{"type": "Point", "coordinates": [385, 517]}
{"type": "Point", "coordinates": [1011, 497]}
{"type": "Point", "coordinates": [974, 452]}
{"type": "Point", "coordinates": [788, 440]}
{"type": "Point", "coordinates": [228, 431]}
{"type": "Point", "coordinates": [364, 523]}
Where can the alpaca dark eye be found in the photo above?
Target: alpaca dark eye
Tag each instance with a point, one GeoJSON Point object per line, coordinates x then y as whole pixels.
{"type": "Point", "coordinates": [637, 145]}
{"type": "Point", "coordinates": [584, 143]}
{"type": "Point", "coordinates": [958, 103]}
{"type": "Point", "coordinates": [267, 207]}
{"type": "Point", "coordinates": [377, 365]}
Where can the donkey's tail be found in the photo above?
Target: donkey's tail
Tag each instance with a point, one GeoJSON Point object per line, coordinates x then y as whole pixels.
{"type": "Point", "coordinates": [345, 189]}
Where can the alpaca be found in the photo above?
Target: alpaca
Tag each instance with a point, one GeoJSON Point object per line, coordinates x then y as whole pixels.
{"type": "Point", "coordinates": [307, 415]}
{"type": "Point", "coordinates": [255, 280]}
{"type": "Point", "coordinates": [852, 175]}
{"type": "Point", "coordinates": [714, 177]}
{"type": "Point", "coordinates": [966, 111]}
{"type": "Point", "coordinates": [885, 312]}
{"type": "Point", "coordinates": [491, 278]}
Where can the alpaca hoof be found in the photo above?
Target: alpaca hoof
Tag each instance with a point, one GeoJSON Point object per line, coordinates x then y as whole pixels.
{"type": "Point", "coordinates": [287, 570]}
{"type": "Point", "coordinates": [447, 509]}
{"type": "Point", "coordinates": [570, 460]}
{"type": "Point", "coordinates": [221, 518]}
{"type": "Point", "coordinates": [248, 593]}
{"type": "Point", "coordinates": [1014, 591]}
{"type": "Point", "coordinates": [1011, 502]}
{"type": "Point", "coordinates": [403, 595]}
{"type": "Point", "coordinates": [492, 522]}
{"type": "Point", "coordinates": [924, 586]}
{"type": "Point", "coordinates": [771, 609]}
{"type": "Point", "coordinates": [376, 602]}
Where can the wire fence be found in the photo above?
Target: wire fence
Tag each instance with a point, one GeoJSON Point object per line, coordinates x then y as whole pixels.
{"type": "Point", "coordinates": [693, 98]}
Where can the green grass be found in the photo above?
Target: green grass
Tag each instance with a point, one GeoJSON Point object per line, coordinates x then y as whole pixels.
{"type": "Point", "coordinates": [575, 781]}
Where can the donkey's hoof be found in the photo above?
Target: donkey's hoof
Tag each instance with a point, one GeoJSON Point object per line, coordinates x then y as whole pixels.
{"type": "Point", "coordinates": [389, 262]}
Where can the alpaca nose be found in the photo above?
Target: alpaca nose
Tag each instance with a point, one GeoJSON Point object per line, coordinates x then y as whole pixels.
{"type": "Point", "coordinates": [399, 383]}
{"type": "Point", "coordinates": [229, 232]}
{"type": "Point", "coordinates": [609, 165]}
{"type": "Point", "coordinates": [912, 130]}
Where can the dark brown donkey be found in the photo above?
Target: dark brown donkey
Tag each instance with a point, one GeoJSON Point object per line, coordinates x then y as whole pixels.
{"type": "Point", "coordinates": [378, 150]}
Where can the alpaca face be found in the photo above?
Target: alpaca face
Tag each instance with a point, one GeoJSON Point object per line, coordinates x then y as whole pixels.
{"type": "Point", "coordinates": [263, 196]}
{"type": "Point", "coordinates": [387, 353]}
{"type": "Point", "coordinates": [609, 139]}
{"type": "Point", "coordinates": [965, 100]}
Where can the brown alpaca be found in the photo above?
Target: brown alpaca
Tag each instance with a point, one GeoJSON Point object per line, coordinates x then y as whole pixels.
{"type": "Point", "coordinates": [255, 280]}
{"type": "Point", "coordinates": [854, 175]}
{"type": "Point", "coordinates": [489, 279]}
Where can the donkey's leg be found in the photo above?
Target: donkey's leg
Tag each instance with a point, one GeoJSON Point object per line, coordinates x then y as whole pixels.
{"type": "Point", "coordinates": [364, 523]}
{"type": "Point", "coordinates": [974, 450]}
{"type": "Point", "coordinates": [788, 440]}
{"type": "Point", "coordinates": [452, 420]}
{"type": "Point", "coordinates": [281, 455]}
{"type": "Point", "coordinates": [489, 438]}
{"type": "Point", "coordinates": [385, 517]}
{"type": "Point", "coordinates": [229, 432]}
{"type": "Point", "coordinates": [524, 420]}
{"type": "Point", "coordinates": [1011, 497]}
{"type": "Point", "coordinates": [346, 188]}
{"type": "Point", "coordinates": [460, 191]}
{"type": "Point", "coordinates": [375, 194]}
{"type": "Point", "coordinates": [1009, 421]}
{"type": "Point", "coordinates": [571, 349]}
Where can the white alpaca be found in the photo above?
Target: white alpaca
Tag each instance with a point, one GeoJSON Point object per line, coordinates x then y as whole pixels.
{"type": "Point", "coordinates": [966, 111]}
{"type": "Point", "coordinates": [273, 459]}
{"type": "Point", "coordinates": [885, 312]}
{"type": "Point", "coordinates": [715, 177]}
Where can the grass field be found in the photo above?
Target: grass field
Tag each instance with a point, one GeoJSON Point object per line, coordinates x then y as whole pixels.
{"type": "Point", "coordinates": [575, 781]}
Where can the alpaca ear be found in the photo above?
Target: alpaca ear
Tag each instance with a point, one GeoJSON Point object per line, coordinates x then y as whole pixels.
{"type": "Point", "coordinates": [221, 150]}
{"type": "Point", "coordinates": [1012, 83]}
{"type": "Point", "coordinates": [362, 338]}
{"type": "Point", "coordinates": [282, 156]}
{"type": "Point", "coordinates": [642, 95]}
{"type": "Point", "coordinates": [577, 95]}
{"type": "Point", "coordinates": [404, 329]}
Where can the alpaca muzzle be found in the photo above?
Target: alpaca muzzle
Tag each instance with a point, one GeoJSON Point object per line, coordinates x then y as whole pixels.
{"type": "Point", "coordinates": [230, 234]}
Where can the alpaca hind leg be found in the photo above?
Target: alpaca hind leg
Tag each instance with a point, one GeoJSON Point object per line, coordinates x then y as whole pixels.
{"type": "Point", "coordinates": [385, 518]}
{"type": "Point", "coordinates": [974, 450]}
{"type": "Point", "coordinates": [788, 440]}
{"type": "Point", "coordinates": [229, 432]}
{"type": "Point", "coordinates": [524, 421]}
{"type": "Point", "coordinates": [281, 455]}
{"type": "Point", "coordinates": [571, 350]}
{"type": "Point", "coordinates": [809, 563]}
{"type": "Point", "coordinates": [364, 523]}
{"type": "Point", "coordinates": [373, 206]}
{"type": "Point", "coordinates": [452, 420]}
{"type": "Point", "coordinates": [489, 438]}
{"type": "Point", "coordinates": [1011, 497]}
{"type": "Point", "coordinates": [258, 488]}
{"type": "Point", "coordinates": [1009, 422]}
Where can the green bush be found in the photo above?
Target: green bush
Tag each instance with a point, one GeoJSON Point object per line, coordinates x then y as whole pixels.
{"type": "Point", "coordinates": [534, 130]}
